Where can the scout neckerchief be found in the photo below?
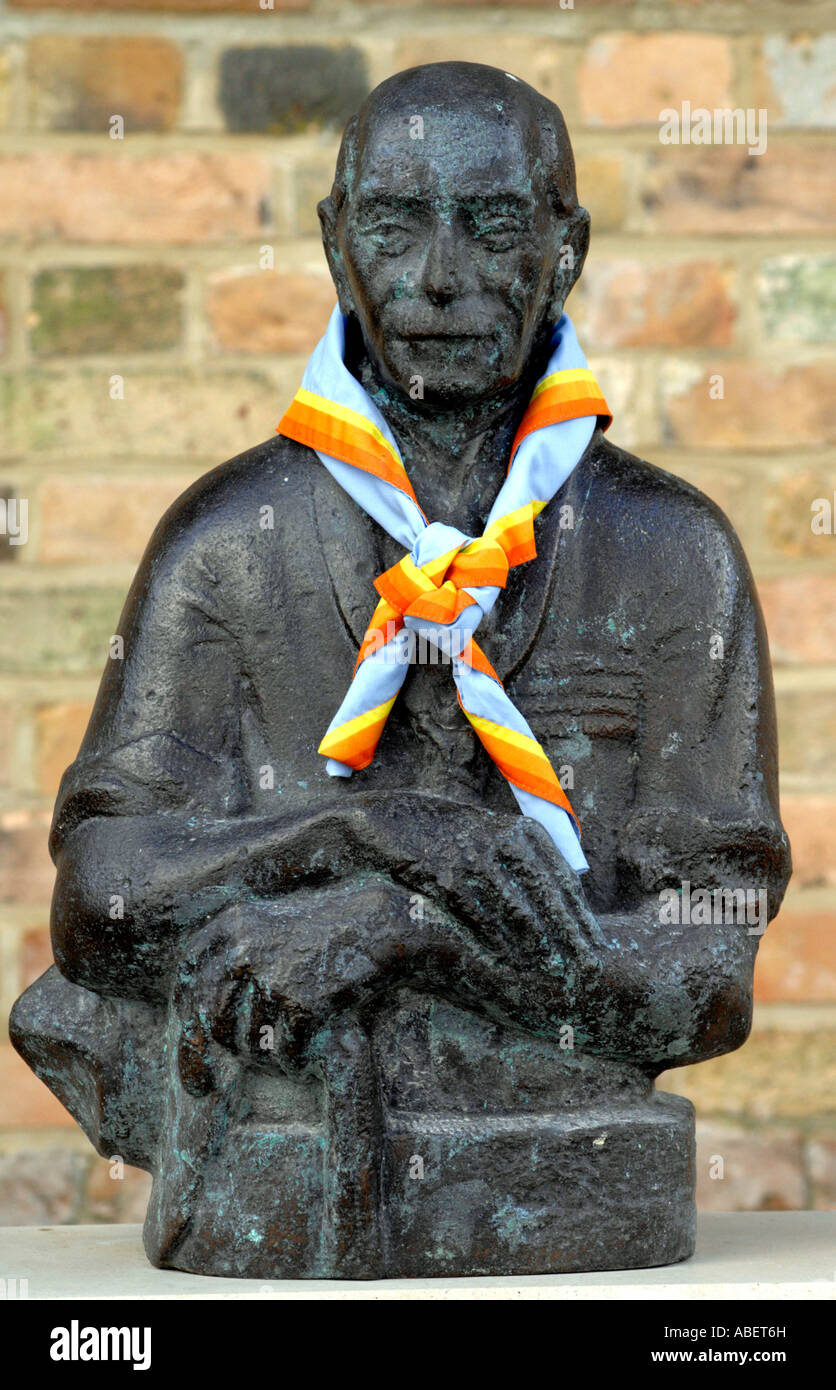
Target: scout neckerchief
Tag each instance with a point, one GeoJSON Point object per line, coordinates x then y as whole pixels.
{"type": "Point", "coordinates": [447, 580]}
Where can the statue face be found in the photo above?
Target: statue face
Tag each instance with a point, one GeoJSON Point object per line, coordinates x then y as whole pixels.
{"type": "Point", "coordinates": [446, 250]}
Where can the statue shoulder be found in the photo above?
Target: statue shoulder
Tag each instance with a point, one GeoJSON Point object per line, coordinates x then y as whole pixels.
{"type": "Point", "coordinates": [669, 518]}
{"type": "Point", "coordinates": [266, 488]}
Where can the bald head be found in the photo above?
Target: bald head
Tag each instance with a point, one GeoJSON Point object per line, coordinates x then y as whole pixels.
{"type": "Point", "coordinates": [453, 230]}
{"type": "Point", "coordinates": [411, 100]}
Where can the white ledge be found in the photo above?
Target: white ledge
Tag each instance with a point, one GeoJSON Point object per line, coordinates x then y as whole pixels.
{"type": "Point", "coordinates": [742, 1255]}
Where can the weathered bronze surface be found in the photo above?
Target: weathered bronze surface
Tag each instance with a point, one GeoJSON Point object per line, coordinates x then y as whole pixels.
{"type": "Point", "coordinates": [466, 1035]}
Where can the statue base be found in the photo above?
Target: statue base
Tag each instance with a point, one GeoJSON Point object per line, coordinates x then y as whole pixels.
{"type": "Point", "coordinates": [427, 1143]}
{"type": "Point", "coordinates": [490, 1195]}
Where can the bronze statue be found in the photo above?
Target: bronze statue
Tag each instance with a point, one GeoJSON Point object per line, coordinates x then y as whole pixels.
{"type": "Point", "coordinates": [376, 1025]}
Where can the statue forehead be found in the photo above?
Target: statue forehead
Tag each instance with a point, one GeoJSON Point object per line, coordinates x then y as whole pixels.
{"type": "Point", "coordinates": [479, 148]}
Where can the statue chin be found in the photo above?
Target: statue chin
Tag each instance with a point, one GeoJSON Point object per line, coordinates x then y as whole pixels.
{"type": "Point", "coordinates": [446, 385]}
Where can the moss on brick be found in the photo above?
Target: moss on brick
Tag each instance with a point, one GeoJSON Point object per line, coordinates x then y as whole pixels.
{"type": "Point", "coordinates": [64, 631]}
{"type": "Point", "coordinates": [124, 308]}
{"type": "Point", "coordinates": [81, 82]}
{"type": "Point", "coordinates": [798, 298]}
{"type": "Point", "coordinates": [284, 90]}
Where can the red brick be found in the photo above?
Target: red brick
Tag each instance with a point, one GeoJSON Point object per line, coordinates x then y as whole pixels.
{"type": "Point", "coordinates": [268, 311]}
{"type": "Point", "coordinates": [717, 189]}
{"type": "Point", "coordinates": [26, 872]}
{"type": "Point", "coordinates": [627, 303]}
{"type": "Point", "coordinates": [761, 1171]}
{"type": "Point", "coordinates": [27, 1103]}
{"type": "Point", "coordinates": [807, 732]}
{"type": "Point", "coordinates": [800, 613]}
{"type": "Point", "coordinates": [535, 59]}
{"type": "Point", "coordinates": [8, 725]}
{"type": "Point", "coordinates": [176, 6]}
{"type": "Point", "coordinates": [781, 1075]}
{"type": "Point", "coordinates": [627, 79]}
{"type": "Point", "coordinates": [180, 414]}
{"type": "Point", "coordinates": [796, 962]}
{"type": "Point", "coordinates": [98, 520]}
{"type": "Point", "coordinates": [80, 83]}
{"type": "Point", "coordinates": [553, 5]}
{"type": "Point", "coordinates": [312, 180]}
{"type": "Point", "coordinates": [35, 955]}
{"type": "Point", "coordinates": [179, 197]}
{"type": "Point", "coordinates": [601, 188]}
{"type": "Point", "coordinates": [821, 1165]}
{"type": "Point", "coordinates": [809, 822]}
{"type": "Point", "coordinates": [59, 731]}
{"type": "Point", "coordinates": [40, 1187]}
{"type": "Point", "coordinates": [110, 1198]}
{"type": "Point", "coordinates": [762, 406]}
{"type": "Point", "coordinates": [5, 85]}
{"type": "Point", "coordinates": [67, 629]}
{"type": "Point", "coordinates": [789, 512]}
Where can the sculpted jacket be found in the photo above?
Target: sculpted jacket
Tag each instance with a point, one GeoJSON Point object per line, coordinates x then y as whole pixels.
{"type": "Point", "coordinates": [633, 644]}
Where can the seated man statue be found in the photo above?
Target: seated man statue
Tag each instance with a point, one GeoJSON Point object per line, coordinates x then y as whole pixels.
{"type": "Point", "coordinates": [386, 1014]}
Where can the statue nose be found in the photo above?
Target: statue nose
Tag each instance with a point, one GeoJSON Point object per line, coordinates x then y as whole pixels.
{"type": "Point", "coordinates": [441, 279]}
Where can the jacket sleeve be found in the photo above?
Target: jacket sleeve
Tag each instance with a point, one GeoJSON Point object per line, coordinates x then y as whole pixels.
{"type": "Point", "coordinates": [706, 807]}
{"type": "Point", "coordinates": [164, 731]}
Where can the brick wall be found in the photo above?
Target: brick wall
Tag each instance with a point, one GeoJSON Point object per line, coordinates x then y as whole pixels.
{"type": "Point", "coordinates": [144, 258]}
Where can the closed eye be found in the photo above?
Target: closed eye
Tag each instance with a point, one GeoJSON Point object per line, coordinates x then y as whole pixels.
{"type": "Point", "coordinates": [498, 236]}
{"type": "Point", "coordinates": [393, 238]}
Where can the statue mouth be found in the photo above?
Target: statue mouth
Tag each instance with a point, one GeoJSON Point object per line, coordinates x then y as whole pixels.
{"type": "Point", "coordinates": [443, 337]}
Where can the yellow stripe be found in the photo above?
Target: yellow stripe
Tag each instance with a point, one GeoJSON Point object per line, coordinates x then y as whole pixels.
{"type": "Point", "coordinates": [496, 528]}
{"type": "Point", "coordinates": [506, 735]}
{"type": "Point", "coordinates": [436, 568]}
{"type": "Point", "coordinates": [416, 576]}
{"type": "Point", "coordinates": [350, 417]}
{"type": "Point", "coordinates": [567, 378]}
{"type": "Point", "coordinates": [358, 724]}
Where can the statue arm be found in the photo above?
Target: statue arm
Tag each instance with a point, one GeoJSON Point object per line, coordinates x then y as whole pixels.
{"type": "Point", "coordinates": [131, 888]}
{"type": "Point", "coordinates": [705, 817]}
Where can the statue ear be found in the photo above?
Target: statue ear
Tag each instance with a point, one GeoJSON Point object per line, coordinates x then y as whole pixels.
{"type": "Point", "coordinates": [569, 257]}
{"type": "Point", "coordinates": [330, 240]}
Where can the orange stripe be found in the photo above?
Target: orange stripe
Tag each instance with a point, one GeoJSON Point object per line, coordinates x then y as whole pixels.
{"type": "Point", "coordinates": [517, 540]}
{"type": "Point", "coordinates": [324, 432]}
{"type": "Point", "coordinates": [475, 570]}
{"type": "Point", "coordinates": [441, 606]}
{"type": "Point", "coordinates": [552, 407]}
{"type": "Point", "coordinates": [531, 771]}
{"type": "Point", "coordinates": [357, 750]}
{"type": "Point", "coordinates": [549, 412]}
{"type": "Point", "coordinates": [475, 657]}
{"type": "Point", "coordinates": [379, 632]}
{"type": "Point", "coordinates": [397, 588]}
